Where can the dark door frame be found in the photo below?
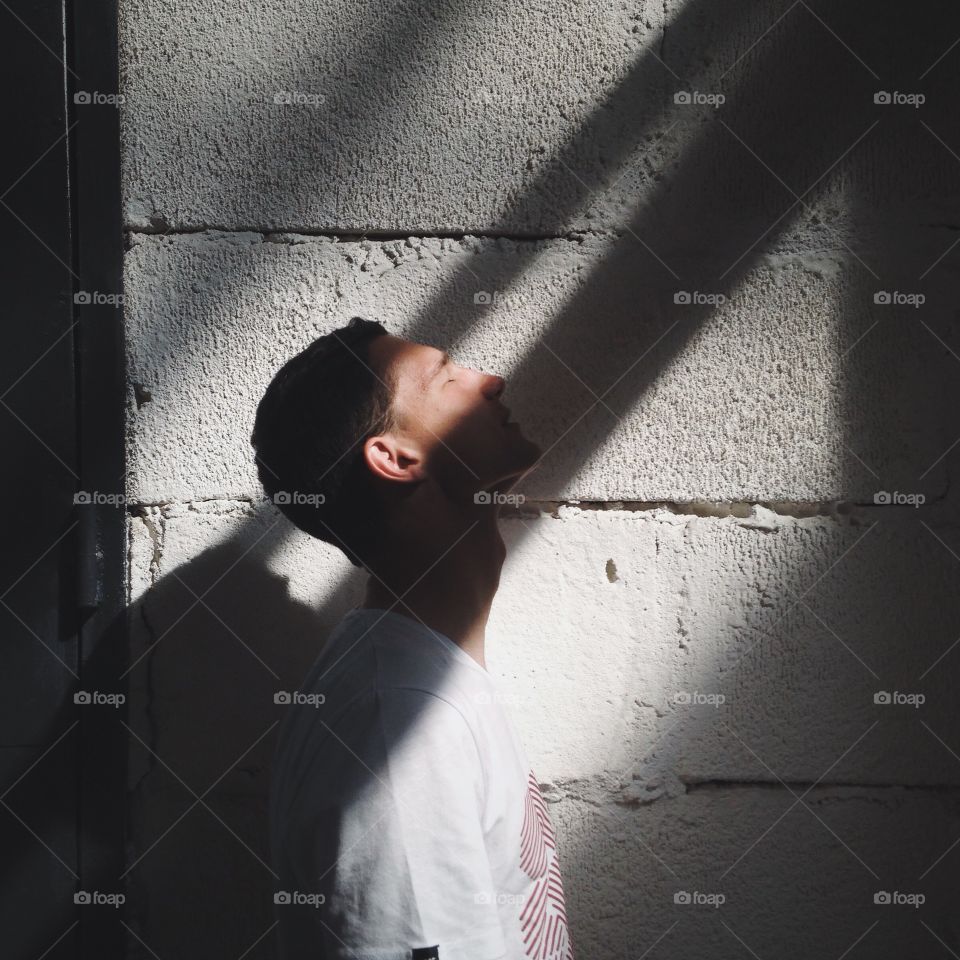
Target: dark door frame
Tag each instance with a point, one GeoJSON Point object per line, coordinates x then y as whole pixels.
{"type": "Point", "coordinates": [97, 240]}
{"type": "Point", "coordinates": [62, 398]}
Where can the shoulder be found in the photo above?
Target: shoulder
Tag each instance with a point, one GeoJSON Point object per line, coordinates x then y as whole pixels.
{"type": "Point", "coordinates": [423, 709]}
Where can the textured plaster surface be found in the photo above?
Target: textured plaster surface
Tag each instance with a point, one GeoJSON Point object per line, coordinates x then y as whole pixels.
{"type": "Point", "coordinates": [797, 387]}
{"type": "Point", "coordinates": [535, 119]}
{"type": "Point", "coordinates": [675, 700]}
{"type": "Point", "coordinates": [701, 600]}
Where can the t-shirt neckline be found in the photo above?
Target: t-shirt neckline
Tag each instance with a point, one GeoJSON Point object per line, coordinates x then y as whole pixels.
{"type": "Point", "coordinates": [415, 626]}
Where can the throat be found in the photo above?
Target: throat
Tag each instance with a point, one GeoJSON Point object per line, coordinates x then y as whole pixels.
{"type": "Point", "coordinates": [448, 587]}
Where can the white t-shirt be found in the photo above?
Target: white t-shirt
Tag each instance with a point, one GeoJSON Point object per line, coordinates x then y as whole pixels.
{"type": "Point", "coordinates": [403, 810]}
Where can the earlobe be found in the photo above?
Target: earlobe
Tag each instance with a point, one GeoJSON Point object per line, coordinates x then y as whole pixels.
{"type": "Point", "coordinates": [389, 459]}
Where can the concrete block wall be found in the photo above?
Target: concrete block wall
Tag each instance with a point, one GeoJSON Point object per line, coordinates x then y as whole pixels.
{"type": "Point", "coordinates": [690, 304]}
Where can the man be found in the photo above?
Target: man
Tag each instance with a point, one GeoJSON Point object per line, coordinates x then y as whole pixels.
{"type": "Point", "coordinates": [405, 820]}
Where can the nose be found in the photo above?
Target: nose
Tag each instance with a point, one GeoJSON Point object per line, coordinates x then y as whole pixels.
{"type": "Point", "coordinates": [493, 386]}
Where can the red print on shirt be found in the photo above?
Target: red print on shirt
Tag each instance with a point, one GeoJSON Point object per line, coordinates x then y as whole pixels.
{"type": "Point", "coordinates": [543, 920]}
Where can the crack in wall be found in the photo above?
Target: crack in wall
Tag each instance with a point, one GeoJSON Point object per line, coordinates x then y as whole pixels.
{"type": "Point", "coordinates": [695, 786]}
{"type": "Point", "coordinates": [719, 509]}
{"type": "Point", "coordinates": [605, 788]}
{"type": "Point", "coordinates": [761, 515]}
{"type": "Point", "coordinates": [833, 254]}
{"type": "Point", "coordinates": [290, 234]}
{"type": "Point", "coordinates": [740, 509]}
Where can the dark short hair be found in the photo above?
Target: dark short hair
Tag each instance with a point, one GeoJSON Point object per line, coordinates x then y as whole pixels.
{"type": "Point", "coordinates": [308, 437]}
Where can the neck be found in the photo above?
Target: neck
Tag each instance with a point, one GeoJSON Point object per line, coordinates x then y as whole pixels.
{"type": "Point", "coordinates": [443, 571]}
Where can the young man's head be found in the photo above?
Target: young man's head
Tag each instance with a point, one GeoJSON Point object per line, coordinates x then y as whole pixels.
{"type": "Point", "coordinates": [361, 421]}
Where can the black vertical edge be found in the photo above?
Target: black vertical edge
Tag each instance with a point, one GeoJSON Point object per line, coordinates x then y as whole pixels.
{"type": "Point", "coordinates": [92, 56]}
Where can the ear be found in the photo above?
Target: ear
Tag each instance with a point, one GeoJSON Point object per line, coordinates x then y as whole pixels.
{"type": "Point", "coordinates": [392, 458]}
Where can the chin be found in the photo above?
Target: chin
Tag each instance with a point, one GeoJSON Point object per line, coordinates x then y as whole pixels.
{"type": "Point", "coordinates": [501, 466]}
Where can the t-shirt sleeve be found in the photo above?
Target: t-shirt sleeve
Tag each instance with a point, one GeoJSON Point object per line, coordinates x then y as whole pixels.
{"type": "Point", "coordinates": [417, 873]}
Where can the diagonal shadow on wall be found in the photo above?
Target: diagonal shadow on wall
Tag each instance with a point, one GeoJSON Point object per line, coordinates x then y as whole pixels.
{"type": "Point", "coordinates": [707, 226]}
{"type": "Point", "coordinates": [709, 223]}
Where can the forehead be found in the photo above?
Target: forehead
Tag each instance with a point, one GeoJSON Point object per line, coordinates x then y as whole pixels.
{"type": "Point", "coordinates": [404, 363]}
